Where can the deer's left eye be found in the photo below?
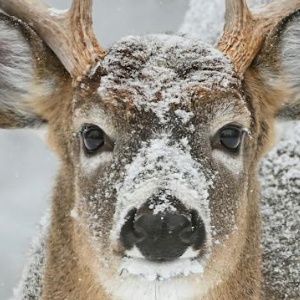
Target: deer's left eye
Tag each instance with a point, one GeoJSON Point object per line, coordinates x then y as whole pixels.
{"type": "Point", "coordinates": [229, 138]}
{"type": "Point", "coordinates": [93, 138]}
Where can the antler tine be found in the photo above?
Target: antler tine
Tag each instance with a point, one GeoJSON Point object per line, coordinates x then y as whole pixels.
{"type": "Point", "coordinates": [237, 11]}
{"type": "Point", "coordinates": [238, 24]}
{"type": "Point", "coordinates": [69, 34]}
{"type": "Point", "coordinates": [244, 32]}
{"type": "Point", "coordinates": [81, 13]}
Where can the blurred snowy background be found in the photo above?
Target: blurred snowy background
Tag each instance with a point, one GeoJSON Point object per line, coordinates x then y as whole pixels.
{"type": "Point", "coordinates": [27, 167]}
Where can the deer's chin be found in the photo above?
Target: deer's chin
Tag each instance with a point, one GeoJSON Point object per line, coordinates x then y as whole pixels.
{"type": "Point", "coordinates": [139, 278]}
{"type": "Point", "coordinates": [160, 271]}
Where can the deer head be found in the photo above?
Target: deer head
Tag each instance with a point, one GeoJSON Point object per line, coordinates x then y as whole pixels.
{"type": "Point", "coordinates": [159, 138]}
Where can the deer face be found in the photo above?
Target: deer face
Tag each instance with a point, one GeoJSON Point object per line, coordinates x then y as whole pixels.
{"type": "Point", "coordinates": [164, 128]}
{"type": "Point", "coordinates": [159, 137]}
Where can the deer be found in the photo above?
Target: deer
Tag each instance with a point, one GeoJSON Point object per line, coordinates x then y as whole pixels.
{"type": "Point", "coordinates": [159, 138]}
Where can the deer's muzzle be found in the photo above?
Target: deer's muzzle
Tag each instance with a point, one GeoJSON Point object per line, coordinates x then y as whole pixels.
{"type": "Point", "coordinates": [162, 235]}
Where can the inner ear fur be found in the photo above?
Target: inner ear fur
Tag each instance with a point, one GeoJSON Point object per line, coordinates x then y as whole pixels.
{"type": "Point", "coordinates": [276, 70]}
{"type": "Point", "coordinates": [33, 82]}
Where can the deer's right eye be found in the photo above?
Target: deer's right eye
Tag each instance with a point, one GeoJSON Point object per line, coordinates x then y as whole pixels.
{"type": "Point", "coordinates": [93, 138]}
{"type": "Point", "coordinates": [229, 138]}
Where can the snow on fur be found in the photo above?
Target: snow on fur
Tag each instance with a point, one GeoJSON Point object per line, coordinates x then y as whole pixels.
{"type": "Point", "coordinates": [30, 286]}
{"type": "Point", "coordinates": [163, 66]}
{"type": "Point", "coordinates": [280, 177]}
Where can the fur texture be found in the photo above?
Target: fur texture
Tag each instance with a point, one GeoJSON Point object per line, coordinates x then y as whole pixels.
{"type": "Point", "coordinates": [165, 100]}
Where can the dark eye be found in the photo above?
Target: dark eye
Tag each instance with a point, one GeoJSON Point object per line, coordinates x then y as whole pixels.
{"type": "Point", "coordinates": [93, 138]}
{"type": "Point", "coordinates": [230, 137]}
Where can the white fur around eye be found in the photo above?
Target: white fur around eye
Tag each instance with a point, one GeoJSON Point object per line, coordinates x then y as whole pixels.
{"type": "Point", "coordinates": [91, 163]}
{"type": "Point", "coordinates": [232, 163]}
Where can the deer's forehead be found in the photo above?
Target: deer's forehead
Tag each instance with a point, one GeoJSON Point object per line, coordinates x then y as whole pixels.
{"type": "Point", "coordinates": [157, 72]}
{"type": "Point", "coordinates": [156, 68]}
{"type": "Point", "coordinates": [162, 77]}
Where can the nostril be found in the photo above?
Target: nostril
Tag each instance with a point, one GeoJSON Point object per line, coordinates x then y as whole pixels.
{"type": "Point", "coordinates": [175, 222]}
{"type": "Point", "coordinates": [127, 234]}
{"type": "Point", "coordinates": [139, 230]}
{"type": "Point", "coordinates": [198, 235]}
{"type": "Point", "coordinates": [186, 235]}
{"type": "Point", "coordinates": [148, 226]}
{"type": "Point", "coordinates": [195, 218]}
{"type": "Point", "coordinates": [164, 236]}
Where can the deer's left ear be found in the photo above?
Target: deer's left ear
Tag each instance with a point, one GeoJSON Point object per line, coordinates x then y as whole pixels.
{"type": "Point", "coordinates": [278, 68]}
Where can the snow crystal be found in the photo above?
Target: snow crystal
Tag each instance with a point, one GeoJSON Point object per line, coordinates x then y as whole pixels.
{"type": "Point", "coordinates": [74, 214]}
{"type": "Point", "coordinates": [184, 115]}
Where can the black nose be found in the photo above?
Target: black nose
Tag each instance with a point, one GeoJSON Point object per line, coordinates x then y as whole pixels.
{"type": "Point", "coordinates": [163, 236]}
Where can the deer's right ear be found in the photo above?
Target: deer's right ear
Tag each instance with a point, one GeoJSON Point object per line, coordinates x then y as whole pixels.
{"type": "Point", "coordinates": [278, 66]}
{"type": "Point", "coordinates": [31, 77]}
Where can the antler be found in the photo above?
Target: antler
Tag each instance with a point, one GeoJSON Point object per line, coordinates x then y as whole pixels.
{"type": "Point", "coordinates": [68, 33]}
{"type": "Point", "coordinates": [244, 32]}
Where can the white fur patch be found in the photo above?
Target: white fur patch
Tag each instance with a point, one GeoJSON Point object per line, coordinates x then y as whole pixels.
{"type": "Point", "coordinates": [190, 253]}
{"type": "Point", "coordinates": [234, 164]}
{"type": "Point", "coordinates": [90, 164]}
{"type": "Point", "coordinates": [160, 271]}
{"type": "Point", "coordinates": [133, 288]}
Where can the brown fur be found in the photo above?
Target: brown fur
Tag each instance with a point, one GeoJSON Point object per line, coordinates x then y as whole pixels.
{"type": "Point", "coordinates": [71, 260]}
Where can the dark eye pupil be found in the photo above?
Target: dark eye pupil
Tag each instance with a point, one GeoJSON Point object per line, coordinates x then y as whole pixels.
{"type": "Point", "coordinates": [93, 138]}
{"type": "Point", "coordinates": [230, 138]}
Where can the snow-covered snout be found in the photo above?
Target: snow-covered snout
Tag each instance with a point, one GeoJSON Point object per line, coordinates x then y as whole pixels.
{"type": "Point", "coordinates": [161, 194]}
